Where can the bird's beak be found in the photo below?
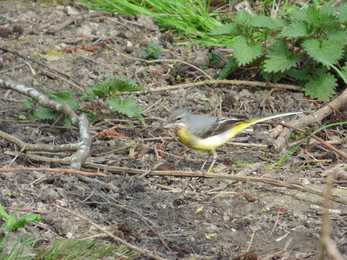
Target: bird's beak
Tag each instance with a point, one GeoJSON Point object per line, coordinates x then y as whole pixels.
{"type": "Point", "coordinates": [173, 125]}
{"type": "Point", "coordinates": [167, 125]}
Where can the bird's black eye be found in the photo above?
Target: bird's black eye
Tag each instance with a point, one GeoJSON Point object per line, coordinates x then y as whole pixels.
{"type": "Point", "coordinates": [178, 118]}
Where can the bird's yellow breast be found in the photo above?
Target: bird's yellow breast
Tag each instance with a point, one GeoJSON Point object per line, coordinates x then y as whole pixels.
{"type": "Point", "coordinates": [205, 144]}
{"type": "Point", "coordinates": [212, 142]}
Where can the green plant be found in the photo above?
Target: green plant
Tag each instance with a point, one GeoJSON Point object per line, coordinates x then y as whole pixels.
{"type": "Point", "coordinates": [44, 113]}
{"type": "Point", "coordinates": [82, 249]}
{"type": "Point", "coordinates": [152, 52]}
{"type": "Point", "coordinates": [12, 223]}
{"type": "Point", "coordinates": [110, 88]}
{"type": "Point", "coordinates": [303, 44]}
{"type": "Point", "coordinates": [14, 245]}
{"type": "Point", "coordinates": [191, 18]}
{"type": "Point", "coordinates": [295, 136]}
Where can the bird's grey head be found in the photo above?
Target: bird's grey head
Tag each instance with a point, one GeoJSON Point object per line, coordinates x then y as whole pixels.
{"type": "Point", "coordinates": [177, 119]}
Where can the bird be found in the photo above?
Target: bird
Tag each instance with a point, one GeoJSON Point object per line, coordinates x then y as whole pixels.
{"type": "Point", "coordinates": [206, 133]}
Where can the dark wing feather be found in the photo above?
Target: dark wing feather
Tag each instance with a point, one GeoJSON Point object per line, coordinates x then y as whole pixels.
{"type": "Point", "coordinates": [219, 126]}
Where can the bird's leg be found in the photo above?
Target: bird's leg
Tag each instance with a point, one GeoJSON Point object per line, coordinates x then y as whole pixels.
{"type": "Point", "coordinates": [202, 167]}
{"type": "Point", "coordinates": [214, 155]}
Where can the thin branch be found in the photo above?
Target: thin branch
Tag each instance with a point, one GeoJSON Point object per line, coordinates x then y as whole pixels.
{"type": "Point", "coordinates": [116, 169]}
{"type": "Point", "coordinates": [326, 244]}
{"type": "Point", "coordinates": [94, 174]}
{"type": "Point", "coordinates": [313, 118]}
{"type": "Point", "coordinates": [318, 139]}
{"type": "Point", "coordinates": [77, 17]}
{"type": "Point", "coordinates": [216, 82]}
{"type": "Point", "coordinates": [83, 147]}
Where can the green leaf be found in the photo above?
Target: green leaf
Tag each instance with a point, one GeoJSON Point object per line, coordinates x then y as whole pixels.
{"type": "Point", "coordinates": [92, 117]}
{"type": "Point", "coordinates": [98, 90]}
{"type": "Point", "coordinates": [344, 70]}
{"type": "Point", "coordinates": [127, 107]}
{"type": "Point", "coordinates": [320, 17]}
{"type": "Point", "coordinates": [29, 103]}
{"type": "Point", "coordinates": [229, 68]}
{"type": "Point", "coordinates": [3, 213]}
{"type": "Point", "coordinates": [280, 59]}
{"type": "Point", "coordinates": [14, 223]}
{"type": "Point", "coordinates": [342, 13]}
{"type": "Point", "coordinates": [111, 87]}
{"type": "Point", "coordinates": [246, 51]}
{"type": "Point", "coordinates": [152, 52]}
{"type": "Point", "coordinates": [230, 28]}
{"type": "Point", "coordinates": [44, 113]}
{"type": "Point", "coordinates": [65, 97]}
{"type": "Point", "coordinates": [299, 15]}
{"type": "Point", "coordinates": [299, 74]}
{"type": "Point", "coordinates": [281, 22]}
{"type": "Point", "coordinates": [262, 21]}
{"type": "Point", "coordinates": [298, 29]}
{"type": "Point", "coordinates": [337, 36]}
{"type": "Point", "coordinates": [73, 103]}
{"type": "Point", "coordinates": [321, 87]}
{"type": "Point", "coordinates": [67, 122]}
{"type": "Point", "coordinates": [271, 76]}
{"type": "Point", "coordinates": [122, 85]}
{"type": "Point", "coordinates": [243, 17]}
{"type": "Point", "coordinates": [326, 50]}
{"type": "Point", "coordinates": [327, 9]}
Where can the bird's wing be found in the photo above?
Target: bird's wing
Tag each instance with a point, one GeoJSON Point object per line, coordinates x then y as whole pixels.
{"type": "Point", "coordinates": [204, 127]}
{"type": "Point", "coordinates": [219, 126]}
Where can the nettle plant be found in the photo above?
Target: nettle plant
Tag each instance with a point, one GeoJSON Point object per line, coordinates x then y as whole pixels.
{"type": "Point", "coordinates": [308, 45]}
{"type": "Point", "coordinates": [109, 90]}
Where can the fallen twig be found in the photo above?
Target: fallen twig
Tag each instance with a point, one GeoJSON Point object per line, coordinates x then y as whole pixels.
{"type": "Point", "coordinates": [116, 169]}
{"type": "Point", "coordinates": [311, 118]}
{"type": "Point", "coordinates": [17, 169]}
{"type": "Point", "coordinates": [325, 240]}
{"type": "Point", "coordinates": [82, 147]}
{"type": "Point", "coordinates": [318, 139]}
{"type": "Point", "coordinates": [77, 17]}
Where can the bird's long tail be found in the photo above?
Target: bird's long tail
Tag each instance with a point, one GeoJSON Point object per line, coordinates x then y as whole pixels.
{"type": "Point", "coordinates": [243, 125]}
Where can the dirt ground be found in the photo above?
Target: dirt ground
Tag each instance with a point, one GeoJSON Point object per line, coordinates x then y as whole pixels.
{"type": "Point", "coordinates": [194, 217]}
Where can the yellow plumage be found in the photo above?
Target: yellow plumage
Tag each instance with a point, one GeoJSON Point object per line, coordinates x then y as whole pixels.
{"type": "Point", "coordinates": [206, 133]}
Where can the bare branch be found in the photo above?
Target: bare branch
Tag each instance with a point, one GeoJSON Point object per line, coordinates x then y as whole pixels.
{"type": "Point", "coordinates": [82, 148]}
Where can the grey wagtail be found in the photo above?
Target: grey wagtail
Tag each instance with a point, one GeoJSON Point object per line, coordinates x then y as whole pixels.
{"type": "Point", "coordinates": [206, 133]}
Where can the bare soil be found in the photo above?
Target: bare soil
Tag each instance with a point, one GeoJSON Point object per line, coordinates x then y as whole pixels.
{"type": "Point", "coordinates": [192, 216]}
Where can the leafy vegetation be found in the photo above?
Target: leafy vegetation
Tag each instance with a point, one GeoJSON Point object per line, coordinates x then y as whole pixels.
{"type": "Point", "coordinates": [306, 43]}
{"type": "Point", "coordinates": [108, 89]}
{"type": "Point", "coordinates": [301, 44]}
{"type": "Point", "coordinates": [152, 52]}
{"type": "Point", "coordinates": [190, 17]}
{"type": "Point", "coordinates": [12, 223]}
{"type": "Point", "coordinates": [10, 250]}
{"type": "Point", "coordinates": [60, 249]}
{"type": "Point", "coordinates": [83, 249]}
{"type": "Point", "coordinates": [44, 113]}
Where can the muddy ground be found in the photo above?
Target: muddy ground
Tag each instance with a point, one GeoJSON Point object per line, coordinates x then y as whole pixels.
{"type": "Point", "coordinates": [208, 218]}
